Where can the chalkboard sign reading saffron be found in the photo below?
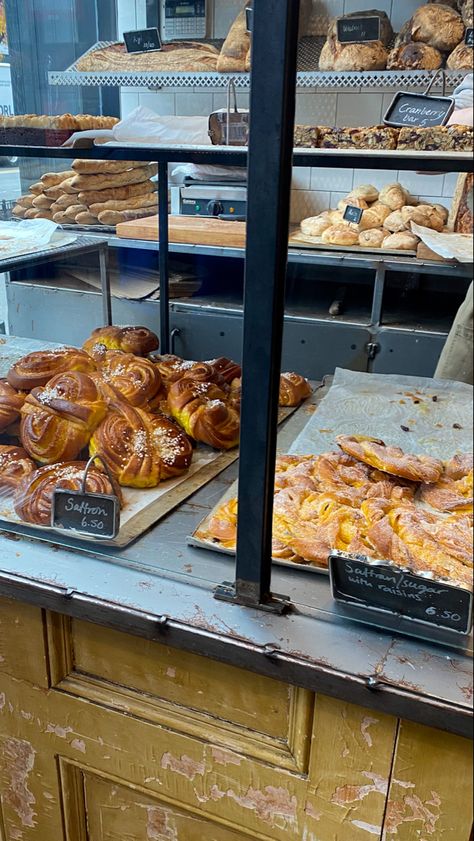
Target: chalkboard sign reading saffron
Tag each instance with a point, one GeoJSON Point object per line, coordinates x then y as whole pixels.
{"type": "Point", "coordinates": [418, 110]}
{"type": "Point", "coordinates": [382, 586]}
{"type": "Point", "coordinates": [142, 40]}
{"type": "Point", "coordinates": [94, 515]}
{"type": "Point", "coordinates": [358, 30]}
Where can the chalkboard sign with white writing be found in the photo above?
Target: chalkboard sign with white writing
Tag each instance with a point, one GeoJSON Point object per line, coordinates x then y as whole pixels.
{"type": "Point", "coordinates": [142, 40]}
{"type": "Point", "coordinates": [95, 515]}
{"type": "Point", "coordinates": [418, 110]}
{"type": "Point", "coordinates": [381, 586]}
{"type": "Point", "coordinates": [249, 18]}
{"type": "Point", "coordinates": [469, 39]}
{"type": "Point", "coordinates": [358, 30]}
{"type": "Point", "coordinates": [353, 214]}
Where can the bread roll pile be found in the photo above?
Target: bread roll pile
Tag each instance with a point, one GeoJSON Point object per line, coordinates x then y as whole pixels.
{"type": "Point", "coordinates": [434, 36]}
{"type": "Point", "coordinates": [385, 223]}
{"type": "Point", "coordinates": [92, 193]}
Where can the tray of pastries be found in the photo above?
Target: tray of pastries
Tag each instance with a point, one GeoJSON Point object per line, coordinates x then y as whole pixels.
{"type": "Point", "coordinates": [455, 138]}
{"type": "Point", "coordinates": [43, 130]}
{"type": "Point", "coordinates": [163, 425]}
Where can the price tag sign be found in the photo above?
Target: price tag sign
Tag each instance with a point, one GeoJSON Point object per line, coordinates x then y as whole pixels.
{"type": "Point", "coordinates": [353, 214]}
{"type": "Point", "coordinates": [469, 39]}
{"type": "Point", "coordinates": [142, 40]}
{"type": "Point", "coordinates": [418, 110]}
{"type": "Point", "coordinates": [249, 18]}
{"type": "Point", "coordinates": [384, 587]}
{"type": "Point", "coordinates": [358, 30]}
{"type": "Point", "coordinates": [93, 515]}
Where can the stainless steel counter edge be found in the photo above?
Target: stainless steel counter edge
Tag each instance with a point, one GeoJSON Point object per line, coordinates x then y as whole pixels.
{"type": "Point", "coordinates": [297, 648]}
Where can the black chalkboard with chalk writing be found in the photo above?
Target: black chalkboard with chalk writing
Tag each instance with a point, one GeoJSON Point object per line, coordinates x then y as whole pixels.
{"type": "Point", "coordinates": [142, 40]}
{"type": "Point", "coordinates": [94, 515]}
{"type": "Point", "coordinates": [354, 30]}
{"type": "Point", "coordinates": [382, 586]}
{"type": "Point", "coordinates": [417, 110]}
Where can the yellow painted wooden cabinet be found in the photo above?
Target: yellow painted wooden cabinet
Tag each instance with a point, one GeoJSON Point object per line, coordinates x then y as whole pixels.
{"type": "Point", "coordinates": [107, 737]}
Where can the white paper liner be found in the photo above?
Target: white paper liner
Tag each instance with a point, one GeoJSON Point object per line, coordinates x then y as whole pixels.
{"type": "Point", "coordinates": [458, 247]}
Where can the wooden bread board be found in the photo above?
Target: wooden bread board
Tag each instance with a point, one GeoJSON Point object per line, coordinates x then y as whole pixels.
{"type": "Point", "coordinates": [192, 230]}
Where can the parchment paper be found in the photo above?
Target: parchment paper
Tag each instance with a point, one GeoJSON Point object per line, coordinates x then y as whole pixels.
{"type": "Point", "coordinates": [458, 247]}
{"type": "Point", "coordinates": [381, 404]}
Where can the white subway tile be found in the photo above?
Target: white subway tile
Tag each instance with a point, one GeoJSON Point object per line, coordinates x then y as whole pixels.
{"type": "Point", "coordinates": [126, 16]}
{"type": "Point", "coordinates": [140, 6]}
{"type": "Point", "coordinates": [359, 109]}
{"type": "Point", "coordinates": [301, 178]}
{"type": "Point", "coordinates": [450, 181]}
{"type": "Point", "coordinates": [129, 100]}
{"type": "Point", "coordinates": [224, 15]}
{"type": "Point", "coordinates": [379, 178]}
{"type": "Point", "coordinates": [367, 5]}
{"type": "Point", "coordinates": [305, 203]}
{"type": "Point", "coordinates": [336, 198]}
{"type": "Point", "coordinates": [444, 200]}
{"type": "Point", "coordinates": [193, 104]}
{"type": "Point", "coordinates": [402, 11]}
{"type": "Point", "coordinates": [418, 183]}
{"type": "Point", "coordinates": [332, 179]}
{"type": "Point", "coordinates": [316, 109]}
{"type": "Point", "coordinates": [161, 103]}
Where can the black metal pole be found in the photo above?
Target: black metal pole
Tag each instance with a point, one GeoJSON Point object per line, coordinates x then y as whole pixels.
{"type": "Point", "coordinates": [163, 236]}
{"type": "Point", "coordinates": [272, 109]}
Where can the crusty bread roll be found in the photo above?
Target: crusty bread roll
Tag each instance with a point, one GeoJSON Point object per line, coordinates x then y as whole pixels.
{"type": "Point", "coordinates": [82, 183]}
{"type": "Point", "coordinates": [424, 214]}
{"type": "Point", "coordinates": [395, 222]}
{"type": "Point", "coordinates": [466, 9]}
{"type": "Point", "coordinates": [394, 196]}
{"type": "Point", "coordinates": [381, 210]}
{"type": "Point", "coordinates": [414, 56]}
{"type": "Point", "coordinates": [114, 217]}
{"type": "Point", "coordinates": [61, 218]}
{"type": "Point", "coordinates": [42, 202]}
{"type": "Point", "coordinates": [354, 202]}
{"type": "Point", "coordinates": [118, 193]}
{"type": "Point", "coordinates": [403, 241]}
{"type": "Point", "coordinates": [461, 58]}
{"type": "Point", "coordinates": [66, 200]}
{"type": "Point", "coordinates": [236, 46]}
{"type": "Point", "coordinates": [32, 213]}
{"type": "Point", "coordinates": [366, 192]}
{"type": "Point", "coordinates": [316, 225]}
{"type": "Point", "coordinates": [370, 219]}
{"type": "Point", "coordinates": [355, 57]}
{"type": "Point", "coordinates": [83, 167]}
{"type": "Point", "coordinates": [438, 26]}
{"type": "Point", "coordinates": [337, 218]}
{"type": "Point", "coordinates": [51, 179]}
{"type": "Point", "coordinates": [86, 218]}
{"type": "Point", "coordinates": [373, 238]}
{"type": "Point", "coordinates": [340, 235]}
{"type": "Point", "coordinates": [148, 200]}
{"type": "Point", "coordinates": [74, 210]}
{"type": "Point", "coordinates": [443, 212]}
{"type": "Point", "coordinates": [25, 201]}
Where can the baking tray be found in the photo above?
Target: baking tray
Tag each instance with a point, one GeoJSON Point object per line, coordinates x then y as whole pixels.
{"type": "Point", "coordinates": [383, 406]}
{"type": "Point", "coordinates": [300, 240]}
{"type": "Point", "coordinates": [29, 136]}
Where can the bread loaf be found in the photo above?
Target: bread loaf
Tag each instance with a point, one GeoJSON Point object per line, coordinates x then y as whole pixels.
{"type": "Point", "coordinates": [61, 218]}
{"type": "Point", "coordinates": [64, 187]}
{"type": "Point", "coordinates": [316, 225]}
{"type": "Point", "coordinates": [66, 200]}
{"type": "Point", "coordinates": [113, 217]}
{"type": "Point", "coordinates": [414, 56]}
{"type": "Point", "coordinates": [19, 211]}
{"type": "Point", "coordinates": [393, 196]}
{"type": "Point", "coordinates": [51, 179]}
{"type": "Point", "coordinates": [42, 202]}
{"type": "Point", "coordinates": [37, 188]}
{"type": "Point", "coordinates": [25, 201]}
{"type": "Point", "coordinates": [425, 215]}
{"type": "Point", "coordinates": [364, 191]}
{"type": "Point", "coordinates": [32, 213]}
{"type": "Point", "coordinates": [186, 56]}
{"type": "Point", "coordinates": [395, 222]}
{"type": "Point", "coordinates": [353, 57]}
{"type": "Point", "coordinates": [404, 241]}
{"type": "Point", "coordinates": [86, 218]}
{"type": "Point", "coordinates": [340, 235]}
{"type": "Point", "coordinates": [72, 211]}
{"type": "Point", "coordinates": [438, 26]}
{"type": "Point", "coordinates": [82, 183]}
{"type": "Point", "coordinates": [118, 193]}
{"type": "Point", "coordinates": [466, 9]}
{"type": "Point", "coordinates": [461, 214]}
{"type": "Point", "coordinates": [373, 238]}
{"type": "Point", "coordinates": [354, 202]}
{"type": "Point", "coordinates": [83, 167]}
{"type": "Point", "coordinates": [461, 58]}
{"type": "Point", "coordinates": [236, 46]}
{"type": "Point", "coordinates": [149, 200]}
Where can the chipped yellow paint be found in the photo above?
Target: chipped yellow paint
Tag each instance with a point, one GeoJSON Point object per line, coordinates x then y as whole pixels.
{"type": "Point", "coordinates": [431, 787]}
{"type": "Point", "coordinates": [124, 755]}
{"type": "Point", "coordinates": [22, 651]}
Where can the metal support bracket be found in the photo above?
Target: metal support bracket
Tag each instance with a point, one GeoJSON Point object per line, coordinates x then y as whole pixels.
{"type": "Point", "coordinates": [226, 592]}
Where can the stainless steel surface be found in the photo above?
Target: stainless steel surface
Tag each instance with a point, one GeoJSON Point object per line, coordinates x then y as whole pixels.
{"type": "Point", "coordinates": [82, 245]}
{"type": "Point", "coordinates": [308, 76]}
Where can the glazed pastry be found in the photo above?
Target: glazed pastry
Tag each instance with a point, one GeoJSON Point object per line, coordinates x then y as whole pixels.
{"type": "Point", "coordinates": [393, 196]}
{"type": "Point", "coordinates": [414, 56]}
{"type": "Point", "coordinates": [135, 377]}
{"type": "Point", "coordinates": [225, 369]}
{"type": "Point", "coordinates": [34, 497]}
{"type": "Point", "coordinates": [424, 214]}
{"type": "Point", "coordinates": [15, 464]}
{"type": "Point", "coordinates": [11, 402]}
{"type": "Point", "coordinates": [340, 235]}
{"type": "Point", "coordinates": [391, 460]}
{"type": "Point", "coordinates": [403, 241]}
{"type": "Point", "coordinates": [454, 491]}
{"type": "Point", "coordinates": [141, 449]}
{"type": "Point", "coordinates": [461, 58]}
{"type": "Point", "coordinates": [204, 412]}
{"type": "Point", "coordinates": [366, 192]}
{"type": "Point", "coordinates": [58, 420]}
{"type": "Point", "coordinates": [316, 225]}
{"type": "Point", "coordinates": [293, 389]}
{"type": "Point", "coordinates": [37, 368]}
{"type": "Point", "coordinates": [373, 238]}
{"type": "Point", "coordinates": [137, 340]}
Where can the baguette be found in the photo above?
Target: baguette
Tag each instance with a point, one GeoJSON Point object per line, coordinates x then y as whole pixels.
{"type": "Point", "coordinates": [82, 167]}
{"type": "Point", "coordinates": [25, 201]}
{"type": "Point", "coordinates": [118, 194]}
{"type": "Point", "coordinates": [113, 217]}
{"type": "Point", "coordinates": [52, 179]}
{"type": "Point", "coordinates": [42, 202]}
{"type": "Point", "coordinates": [128, 204]}
{"type": "Point", "coordinates": [64, 187]}
{"type": "Point", "coordinates": [32, 213]}
{"type": "Point", "coordinates": [37, 188]}
{"type": "Point", "coordinates": [65, 200]}
{"type": "Point", "coordinates": [86, 218]}
{"type": "Point", "coordinates": [74, 210]}
{"type": "Point", "coordinates": [121, 179]}
{"type": "Point", "coordinates": [61, 218]}
{"type": "Point", "coordinates": [44, 214]}
{"type": "Point", "coordinates": [19, 211]}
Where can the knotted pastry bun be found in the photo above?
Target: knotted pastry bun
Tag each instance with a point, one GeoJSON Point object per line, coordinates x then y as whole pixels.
{"type": "Point", "coordinates": [34, 497]}
{"type": "Point", "coordinates": [135, 377]}
{"type": "Point", "coordinates": [15, 464]}
{"type": "Point", "coordinates": [226, 369]}
{"type": "Point", "coordinates": [391, 459]}
{"type": "Point", "coordinates": [37, 368]}
{"type": "Point", "coordinates": [454, 491]}
{"type": "Point", "coordinates": [58, 420]}
{"type": "Point", "coordinates": [293, 389]}
{"type": "Point", "coordinates": [137, 340]}
{"type": "Point", "coordinates": [205, 413]}
{"type": "Point", "coordinates": [11, 402]}
{"type": "Point", "coordinates": [141, 449]}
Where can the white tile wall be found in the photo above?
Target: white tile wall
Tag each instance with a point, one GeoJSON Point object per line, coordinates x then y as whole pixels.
{"type": "Point", "coordinates": [317, 189]}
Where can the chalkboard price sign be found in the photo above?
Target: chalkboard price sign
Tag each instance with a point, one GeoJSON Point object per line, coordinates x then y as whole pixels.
{"type": "Point", "coordinates": [418, 110]}
{"type": "Point", "coordinates": [94, 515]}
{"type": "Point", "coordinates": [353, 214]}
{"type": "Point", "coordinates": [142, 40]}
{"type": "Point", "coordinates": [358, 30]}
{"type": "Point", "coordinates": [384, 587]}
{"type": "Point", "coordinates": [469, 39]}
{"type": "Point", "coordinates": [249, 18]}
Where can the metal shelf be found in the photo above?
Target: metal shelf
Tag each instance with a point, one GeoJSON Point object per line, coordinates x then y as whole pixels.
{"type": "Point", "coordinates": [308, 76]}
